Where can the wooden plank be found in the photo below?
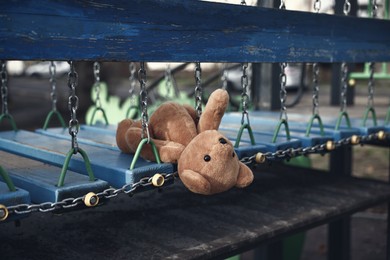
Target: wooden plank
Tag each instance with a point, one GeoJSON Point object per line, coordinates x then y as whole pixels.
{"type": "Point", "coordinates": [41, 179]}
{"type": "Point", "coordinates": [11, 198]}
{"type": "Point", "coordinates": [176, 30]}
{"type": "Point", "coordinates": [178, 224]}
{"type": "Point", "coordinates": [111, 166]}
{"type": "Point", "coordinates": [104, 137]}
{"type": "Point", "coordinates": [90, 136]}
{"type": "Point", "coordinates": [261, 139]}
{"type": "Point", "coordinates": [268, 121]}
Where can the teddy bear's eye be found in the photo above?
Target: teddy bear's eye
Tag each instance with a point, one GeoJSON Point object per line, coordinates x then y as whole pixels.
{"type": "Point", "coordinates": [234, 154]}
{"type": "Point", "coordinates": [207, 158]}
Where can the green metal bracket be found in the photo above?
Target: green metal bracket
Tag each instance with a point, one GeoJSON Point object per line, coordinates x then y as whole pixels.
{"type": "Point", "coordinates": [138, 151]}
{"type": "Point", "coordinates": [310, 125]}
{"type": "Point", "coordinates": [10, 119]}
{"type": "Point", "coordinates": [50, 115]}
{"type": "Point", "coordinates": [387, 120]}
{"type": "Point", "coordinates": [64, 169]}
{"type": "Point", "coordinates": [341, 115]}
{"type": "Point", "coordinates": [93, 115]}
{"type": "Point", "coordinates": [277, 130]}
{"type": "Point", "coordinates": [136, 115]}
{"type": "Point", "coordinates": [7, 179]}
{"type": "Point", "coordinates": [250, 132]}
{"type": "Point", "coordinates": [373, 114]}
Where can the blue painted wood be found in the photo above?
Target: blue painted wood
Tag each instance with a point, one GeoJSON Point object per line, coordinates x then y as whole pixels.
{"type": "Point", "coordinates": [11, 198]}
{"type": "Point", "coordinates": [95, 136]}
{"type": "Point", "coordinates": [177, 30]}
{"type": "Point", "coordinates": [108, 165]}
{"type": "Point", "coordinates": [40, 179]}
{"type": "Point", "coordinates": [266, 127]}
{"type": "Point", "coordinates": [262, 139]}
{"type": "Point", "coordinates": [266, 121]}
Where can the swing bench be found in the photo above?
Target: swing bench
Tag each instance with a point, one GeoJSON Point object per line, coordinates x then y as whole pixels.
{"type": "Point", "coordinates": [250, 40]}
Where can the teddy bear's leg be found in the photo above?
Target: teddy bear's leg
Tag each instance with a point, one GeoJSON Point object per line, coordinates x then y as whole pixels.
{"type": "Point", "coordinates": [168, 151]}
{"type": "Point", "coordinates": [245, 176]}
{"type": "Point", "coordinates": [214, 111]}
{"type": "Point", "coordinates": [123, 126]}
{"type": "Point", "coordinates": [195, 182]}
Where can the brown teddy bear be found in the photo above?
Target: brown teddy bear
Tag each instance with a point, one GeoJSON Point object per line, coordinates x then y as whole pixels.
{"type": "Point", "coordinates": [207, 163]}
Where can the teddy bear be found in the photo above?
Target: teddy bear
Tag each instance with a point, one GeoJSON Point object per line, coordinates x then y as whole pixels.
{"type": "Point", "coordinates": [207, 162]}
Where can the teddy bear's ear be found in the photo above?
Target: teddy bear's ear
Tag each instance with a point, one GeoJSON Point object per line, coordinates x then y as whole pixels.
{"type": "Point", "coordinates": [214, 111]}
{"type": "Point", "coordinates": [245, 176]}
{"type": "Point", "coordinates": [195, 182]}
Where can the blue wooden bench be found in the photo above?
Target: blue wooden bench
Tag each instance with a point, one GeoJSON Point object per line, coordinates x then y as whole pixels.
{"type": "Point", "coordinates": [108, 165]}
{"type": "Point", "coordinates": [40, 179]}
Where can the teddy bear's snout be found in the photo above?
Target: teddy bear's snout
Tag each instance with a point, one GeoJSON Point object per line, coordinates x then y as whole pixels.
{"type": "Point", "coordinates": [222, 140]}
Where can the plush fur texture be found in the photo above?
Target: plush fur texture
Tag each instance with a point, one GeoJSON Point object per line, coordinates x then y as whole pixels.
{"type": "Point", "coordinates": [207, 163]}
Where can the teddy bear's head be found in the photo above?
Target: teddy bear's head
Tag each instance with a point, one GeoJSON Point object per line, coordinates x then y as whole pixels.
{"type": "Point", "coordinates": [209, 165]}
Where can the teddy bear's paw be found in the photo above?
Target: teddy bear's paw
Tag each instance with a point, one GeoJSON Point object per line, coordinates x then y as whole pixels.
{"type": "Point", "coordinates": [170, 151]}
{"type": "Point", "coordinates": [195, 182]}
{"type": "Point", "coordinates": [123, 126]}
{"type": "Point", "coordinates": [245, 176]}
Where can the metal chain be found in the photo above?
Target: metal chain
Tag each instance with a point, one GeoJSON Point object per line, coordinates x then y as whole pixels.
{"type": "Point", "coordinates": [316, 88]}
{"type": "Point", "coordinates": [374, 9]}
{"type": "Point", "coordinates": [244, 94]}
{"type": "Point", "coordinates": [132, 79]}
{"type": "Point", "coordinates": [282, 5]}
{"type": "Point", "coordinates": [344, 87]}
{"type": "Point", "coordinates": [4, 88]}
{"type": "Point", "coordinates": [168, 80]}
{"type": "Point", "coordinates": [371, 86]}
{"type": "Point", "coordinates": [73, 104]}
{"type": "Point", "coordinates": [243, 2]}
{"type": "Point", "coordinates": [283, 92]}
{"type": "Point", "coordinates": [96, 73]}
{"type": "Point", "coordinates": [318, 149]}
{"type": "Point", "coordinates": [144, 102]}
{"type": "Point", "coordinates": [347, 7]}
{"type": "Point", "coordinates": [67, 203]}
{"type": "Point", "coordinates": [198, 90]}
{"type": "Point", "coordinates": [224, 76]}
{"type": "Point", "coordinates": [53, 85]}
{"type": "Point", "coordinates": [317, 6]}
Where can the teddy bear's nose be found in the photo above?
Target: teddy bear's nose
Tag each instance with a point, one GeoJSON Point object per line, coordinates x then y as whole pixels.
{"type": "Point", "coordinates": [222, 141]}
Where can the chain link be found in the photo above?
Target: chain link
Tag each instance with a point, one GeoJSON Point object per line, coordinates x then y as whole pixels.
{"type": "Point", "coordinates": [73, 104]}
{"type": "Point", "coordinates": [371, 86]}
{"type": "Point", "coordinates": [243, 2]}
{"type": "Point", "coordinates": [144, 102]}
{"type": "Point", "coordinates": [68, 203]}
{"type": "Point", "coordinates": [283, 92]}
{"type": "Point", "coordinates": [4, 88]}
{"type": "Point", "coordinates": [53, 85]}
{"type": "Point", "coordinates": [198, 90]}
{"type": "Point", "coordinates": [96, 73]}
{"type": "Point", "coordinates": [244, 94]}
{"type": "Point", "coordinates": [344, 87]}
{"type": "Point", "coordinates": [316, 88]}
{"type": "Point", "coordinates": [317, 6]}
{"type": "Point", "coordinates": [168, 80]}
{"type": "Point", "coordinates": [347, 7]}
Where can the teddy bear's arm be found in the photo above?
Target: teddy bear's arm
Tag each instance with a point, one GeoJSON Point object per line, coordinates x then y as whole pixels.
{"type": "Point", "coordinates": [214, 111]}
{"type": "Point", "coordinates": [245, 176]}
{"type": "Point", "coordinates": [195, 182]}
